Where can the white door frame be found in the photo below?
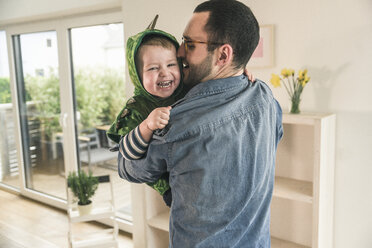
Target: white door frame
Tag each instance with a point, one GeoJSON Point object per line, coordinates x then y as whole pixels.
{"type": "Point", "coordinates": [61, 25]}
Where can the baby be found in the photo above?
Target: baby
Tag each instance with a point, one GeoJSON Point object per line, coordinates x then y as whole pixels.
{"type": "Point", "coordinates": [155, 73]}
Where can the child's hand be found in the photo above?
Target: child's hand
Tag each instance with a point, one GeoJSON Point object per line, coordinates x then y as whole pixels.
{"type": "Point", "coordinates": [158, 118]}
{"type": "Point", "coordinates": [249, 75]}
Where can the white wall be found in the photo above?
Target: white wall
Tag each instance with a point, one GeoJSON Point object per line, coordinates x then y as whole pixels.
{"type": "Point", "coordinates": [12, 11]}
{"type": "Point", "coordinates": [333, 39]}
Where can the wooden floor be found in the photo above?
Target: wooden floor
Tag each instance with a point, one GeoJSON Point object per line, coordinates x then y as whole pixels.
{"type": "Point", "coordinates": [49, 180]}
{"type": "Point", "coordinates": [26, 223]}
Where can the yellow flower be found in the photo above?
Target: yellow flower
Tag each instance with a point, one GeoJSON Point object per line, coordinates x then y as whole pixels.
{"type": "Point", "coordinates": [302, 74]}
{"type": "Point", "coordinates": [287, 72]}
{"type": "Point", "coordinates": [307, 79]}
{"type": "Point", "coordinates": [275, 80]}
{"type": "Point", "coordinates": [303, 78]}
{"type": "Point", "coordinates": [293, 85]}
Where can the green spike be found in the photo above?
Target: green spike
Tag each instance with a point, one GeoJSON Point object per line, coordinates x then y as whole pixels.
{"type": "Point", "coordinates": [153, 23]}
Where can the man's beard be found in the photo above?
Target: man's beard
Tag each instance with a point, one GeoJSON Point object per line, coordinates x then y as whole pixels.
{"type": "Point", "coordinates": [196, 73]}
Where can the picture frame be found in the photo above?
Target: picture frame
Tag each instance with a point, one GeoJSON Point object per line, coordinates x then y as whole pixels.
{"type": "Point", "coordinates": [263, 56]}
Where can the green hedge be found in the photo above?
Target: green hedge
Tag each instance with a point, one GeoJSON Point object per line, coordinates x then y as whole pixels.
{"type": "Point", "coordinates": [99, 97]}
{"type": "Point", "coordinates": [5, 95]}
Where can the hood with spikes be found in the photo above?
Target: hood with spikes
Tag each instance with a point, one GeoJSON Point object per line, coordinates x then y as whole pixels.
{"type": "Point", "coordinates": [142, 103]}
{"type": "Point", "coordinates": [133, 44]}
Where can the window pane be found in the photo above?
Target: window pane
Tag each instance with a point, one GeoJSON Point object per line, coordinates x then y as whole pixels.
{"type": "Point", "coordinates": [38, 83]}
{"type": "Point", "coordinates": [8, 154]}
{"type": "Point", "coordinates": [98, 59]}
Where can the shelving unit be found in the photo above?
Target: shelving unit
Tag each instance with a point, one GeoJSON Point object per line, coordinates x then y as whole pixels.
{"type": "Point", "coordinates": [302, 204]}
{"type": "Point", "coordinates": [103, 209]}
{"type": "Point", "coordinates": [160, 221]}
{"type": "Point", "coordinates": [293, 189]}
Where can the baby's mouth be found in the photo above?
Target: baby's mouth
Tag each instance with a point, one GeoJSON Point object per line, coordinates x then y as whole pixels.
{"type": "Point", "coordinates": [165, 84]}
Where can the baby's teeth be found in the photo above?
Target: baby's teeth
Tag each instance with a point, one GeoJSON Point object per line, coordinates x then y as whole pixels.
{"type": "Point", "coordinates": [164, 84]}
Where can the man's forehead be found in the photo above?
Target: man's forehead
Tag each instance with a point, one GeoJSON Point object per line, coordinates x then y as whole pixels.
{"type": "Point", "coordinates": [195, 27]}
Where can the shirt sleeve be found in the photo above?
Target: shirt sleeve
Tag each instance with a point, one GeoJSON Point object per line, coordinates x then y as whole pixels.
{"type": "Point", "coordinates": [133, 146]}
{"type": "Point", "coordinates": [150, 167]}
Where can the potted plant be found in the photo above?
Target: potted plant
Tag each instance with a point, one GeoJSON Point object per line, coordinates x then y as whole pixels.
{"type": "Point", "coordinates": [83, 186]}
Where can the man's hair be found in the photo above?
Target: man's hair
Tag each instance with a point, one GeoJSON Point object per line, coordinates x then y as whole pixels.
{"type": "Point", "coordinates": [231, 22]}
{"type": "Point", "coordinates": [152, 40]}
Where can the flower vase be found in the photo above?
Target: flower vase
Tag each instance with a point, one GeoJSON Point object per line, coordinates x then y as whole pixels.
{"type": "Point", "coordinates": [295, 105]}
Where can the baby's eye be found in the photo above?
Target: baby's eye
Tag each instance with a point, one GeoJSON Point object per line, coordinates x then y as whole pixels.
{"type": "Point", "coordinates": [152, 68]}
{"type": "Point", "coordinates": [172, 64]}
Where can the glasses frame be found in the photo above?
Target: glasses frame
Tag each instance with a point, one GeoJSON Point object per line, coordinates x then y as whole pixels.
{"type": "Point", "coordinates": [186, 42]}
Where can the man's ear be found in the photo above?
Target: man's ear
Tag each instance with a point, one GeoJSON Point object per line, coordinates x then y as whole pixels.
{"type": "Point", "coordinates": [225, 55]}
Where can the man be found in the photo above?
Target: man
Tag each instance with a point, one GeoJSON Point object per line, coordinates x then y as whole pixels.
{"type": "Point", "coordinates": [220, 144]}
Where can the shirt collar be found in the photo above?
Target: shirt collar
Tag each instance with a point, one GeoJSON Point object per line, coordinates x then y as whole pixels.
{"type": "Point", "coordinates": [217, 85]}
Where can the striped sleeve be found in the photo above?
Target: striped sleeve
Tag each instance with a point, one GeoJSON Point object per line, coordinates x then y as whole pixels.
{"type": "Point", "coordinates": [132, 146]}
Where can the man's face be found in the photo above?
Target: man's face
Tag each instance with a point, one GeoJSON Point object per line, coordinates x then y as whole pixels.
{"type": "Point", "coordinates": [197, 61]}
{"type": "Point", "coordinates": [159, 70]}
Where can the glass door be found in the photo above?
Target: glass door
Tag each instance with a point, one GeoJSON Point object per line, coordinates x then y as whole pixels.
{"type": "Point", "coordinates": [69, 85]}
{"type": "Point", "coordinates": [36, 68]}
{"type": "Point", "coordinates": [98, 84]}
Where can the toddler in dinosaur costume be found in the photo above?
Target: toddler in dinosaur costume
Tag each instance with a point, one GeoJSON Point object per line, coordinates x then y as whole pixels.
{"type": "Point", "coordinates": [155, 72]}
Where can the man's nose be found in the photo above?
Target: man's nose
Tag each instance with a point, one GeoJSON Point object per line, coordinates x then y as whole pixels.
{"type": "Point", "coordinates": [181, 51]}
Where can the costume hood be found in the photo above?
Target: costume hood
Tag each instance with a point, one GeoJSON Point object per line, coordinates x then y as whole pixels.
{"type": "Point", "coordinates": [133, 44]}
{"type": "Point", "coordinates": [142, 103]}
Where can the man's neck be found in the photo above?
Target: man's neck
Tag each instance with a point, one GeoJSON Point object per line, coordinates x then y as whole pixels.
{"type": "Point", "coordinates": [228, 72]}
{"type": "Point", "coordinates": [231, 73]}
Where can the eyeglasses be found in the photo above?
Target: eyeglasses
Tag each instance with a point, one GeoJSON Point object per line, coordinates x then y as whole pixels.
{"type": "Point", "coordinates": [188, 42]}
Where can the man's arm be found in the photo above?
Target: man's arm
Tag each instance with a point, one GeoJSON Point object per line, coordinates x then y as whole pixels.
{"type": "Point", "coordinates": [134, 144]}
{"type": "Point", "coordinates": [147, 169]}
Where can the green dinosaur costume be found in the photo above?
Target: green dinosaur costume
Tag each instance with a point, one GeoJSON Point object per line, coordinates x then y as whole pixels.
{"type": "Point", "coordinates": [142, 103]}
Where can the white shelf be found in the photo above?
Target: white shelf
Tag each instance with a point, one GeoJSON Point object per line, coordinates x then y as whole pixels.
{"type": "Point", "coordinates": [279, 243]}
{"type": "Point", "coordinates": [103, 209]}
{"type": "Point", "coordinates": [97, 244]}
{"type": "Point", "coordinates": [95, 214]}
{"type": "Point", "coordinates": [304, 118]}
{"type": "Point", "coordinates": [160, 221]}
{"type": "Point", "coordinates": [293, 189]}
{"type": "Point", "coordinates": [302, 207]}
{"type": "Point", "coordinates": [97, 240]}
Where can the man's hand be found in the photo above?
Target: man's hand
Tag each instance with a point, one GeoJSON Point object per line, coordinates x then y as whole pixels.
{"type": "Point", "coordinates": [249, 75]}
{"type": "Point", "coordinates": [158, 118]}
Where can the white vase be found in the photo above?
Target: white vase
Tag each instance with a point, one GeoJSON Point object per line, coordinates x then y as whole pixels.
{"type": "Point", "coordinates": [85, 209]}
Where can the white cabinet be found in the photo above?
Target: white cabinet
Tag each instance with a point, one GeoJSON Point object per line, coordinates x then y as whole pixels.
{"type": "Point", "coordinates": [302, 205]}
{"type": "Point", "coordinates": [150, 218]}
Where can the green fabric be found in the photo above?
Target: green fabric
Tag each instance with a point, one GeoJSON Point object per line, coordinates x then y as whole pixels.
{"type": "Point", "coordinates": [142, 103]}
{"type": "Point", "coordinates": [161, 185]}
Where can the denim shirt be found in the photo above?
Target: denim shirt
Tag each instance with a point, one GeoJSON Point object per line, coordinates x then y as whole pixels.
{"type": "Point", "coordinates": [219, 149]}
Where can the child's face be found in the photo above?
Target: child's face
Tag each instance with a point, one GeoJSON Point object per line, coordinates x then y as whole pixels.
{"type": "Point", "coordinates": [159, 70]}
